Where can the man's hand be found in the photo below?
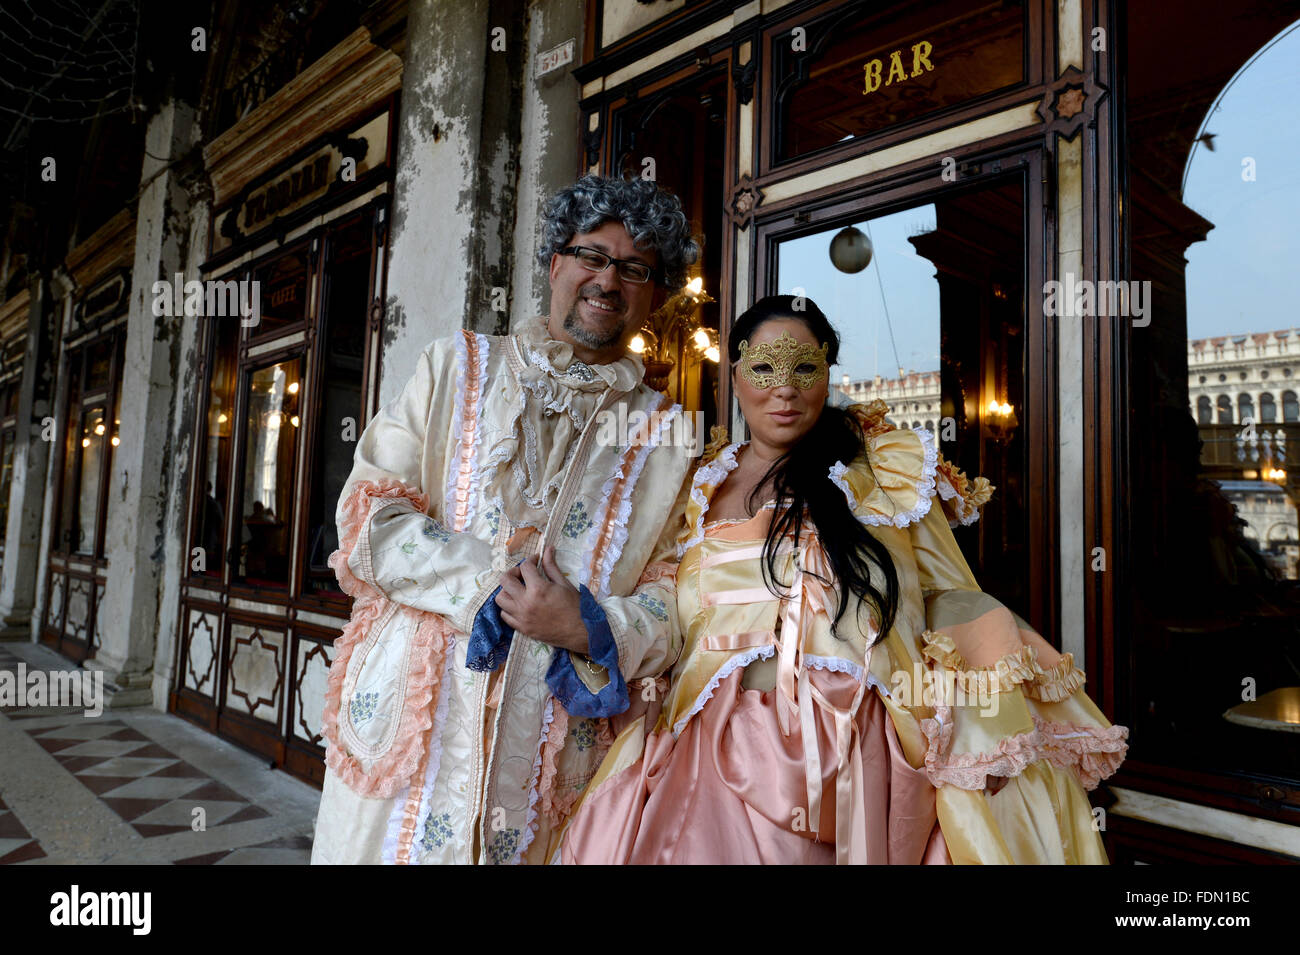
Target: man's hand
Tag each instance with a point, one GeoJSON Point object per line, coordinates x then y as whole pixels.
{"type": "Point", "coordinates": [538, 602]}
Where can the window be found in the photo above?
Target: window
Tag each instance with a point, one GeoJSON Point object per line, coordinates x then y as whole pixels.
{"type": "Point", "coordinates": [94, 391]}
{"type": "Point", "coordinates": [279, 438]}
{"type": "Point", "coordinates": [865, 69]}
{"type": "Point", "coordinates": [347, 298]}
{"type": "Point", "coordinates": [1245, 407]}
{"type": "Point", "coordinates": [272, 421]}
{"type": "Point", "coordinates": [8, 437]}
{"type": "Point", "coordinates": [1211, 664]}
{"type": "Point", "coordinates": [928, 308]}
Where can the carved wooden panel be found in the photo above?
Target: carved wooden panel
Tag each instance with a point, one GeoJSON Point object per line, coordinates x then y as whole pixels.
{"type": "Point", "coordinates": [255, 672]}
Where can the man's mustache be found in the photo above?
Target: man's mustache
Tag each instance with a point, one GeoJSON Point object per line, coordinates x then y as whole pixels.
{"type": "Point", "coordinates": [597, 293]}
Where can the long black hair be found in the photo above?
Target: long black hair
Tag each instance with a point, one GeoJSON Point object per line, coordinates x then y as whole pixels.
{"type": "Point", "coordinates": [800, 478]}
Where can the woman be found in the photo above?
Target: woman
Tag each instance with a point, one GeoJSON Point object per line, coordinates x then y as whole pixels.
{"type": "Point", "coordinates": [846, 693]}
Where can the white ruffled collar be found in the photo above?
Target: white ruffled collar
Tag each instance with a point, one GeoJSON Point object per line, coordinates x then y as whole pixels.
{"type": "Point", "coordinates": [551, 359]}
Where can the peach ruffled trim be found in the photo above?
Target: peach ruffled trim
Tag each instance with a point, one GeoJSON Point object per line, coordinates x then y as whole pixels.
{"type": "Point", "coordinates": [1056, 683]}
{"type": "Point", "coordinates": [395, 769]}
{"type": "Point", "coordinates": [558, 806]}
{"type": "Point", "coordinates": [1017, 667]}
{"type": "Point", "coordinates": [1092, 753]}
{"type": "Point", "coordinates": [962, 497]}
{"type": "Point", "coordinates": [553, 807]}
{"type": "Point", "coordinates": [657, 571]}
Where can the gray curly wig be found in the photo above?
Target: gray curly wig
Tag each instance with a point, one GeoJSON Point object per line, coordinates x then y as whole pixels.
{"type": "Point", "coordinates": [653, 218]}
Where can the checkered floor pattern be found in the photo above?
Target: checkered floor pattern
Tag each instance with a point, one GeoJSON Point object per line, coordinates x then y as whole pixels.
{"type": "Point", "coordinates": [147, 785]}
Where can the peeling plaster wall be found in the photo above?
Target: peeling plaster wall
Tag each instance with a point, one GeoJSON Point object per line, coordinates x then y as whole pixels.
{"type": "Point", "coordinates": [436, 186]}
{"type": "Point", "coordinates": [182, 434]}
{"type": "Point", "coordinates": [147, 465]}
{"type": "Point", "coordinates": [548, 153]}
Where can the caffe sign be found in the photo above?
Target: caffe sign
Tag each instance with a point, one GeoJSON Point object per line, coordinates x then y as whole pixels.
{"type": "Point", "coordinates": [293, 190]}
{"type": "Point", "coordinates": [317, 173]}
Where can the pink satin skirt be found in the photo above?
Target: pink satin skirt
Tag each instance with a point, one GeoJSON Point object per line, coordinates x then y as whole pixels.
{"type": "Point", "coordinates": [732, 790]}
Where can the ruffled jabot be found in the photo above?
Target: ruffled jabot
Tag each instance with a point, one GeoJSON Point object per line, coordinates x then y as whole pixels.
{"type": "Point", "coordinates": [550, 364]}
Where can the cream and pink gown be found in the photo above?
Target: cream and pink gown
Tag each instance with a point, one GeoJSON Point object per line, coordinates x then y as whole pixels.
{"type": "Point", "coordinates": [837, 752]}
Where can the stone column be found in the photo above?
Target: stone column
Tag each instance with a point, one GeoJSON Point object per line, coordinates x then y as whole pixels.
{"type": "Point", "coordinates": [18, 579]}
{"type": "Point", "coordinates": [457, 156]}
{"type": "Point", "coordinates": [148, 465]}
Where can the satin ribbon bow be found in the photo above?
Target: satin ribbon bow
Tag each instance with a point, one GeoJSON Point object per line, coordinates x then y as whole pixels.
{"type": "Point", "coordinates": [809, 596]}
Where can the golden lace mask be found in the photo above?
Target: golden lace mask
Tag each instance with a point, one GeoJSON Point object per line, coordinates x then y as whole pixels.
{"type": "Point", "coordinates": [784, 361]}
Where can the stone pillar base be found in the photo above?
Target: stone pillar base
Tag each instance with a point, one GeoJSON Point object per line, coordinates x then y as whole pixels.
{"type": "Point", "coordinates": [123, 689]}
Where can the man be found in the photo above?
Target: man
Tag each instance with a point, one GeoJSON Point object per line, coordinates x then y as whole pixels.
{"type": "Point", "coordinates": [511, 569]}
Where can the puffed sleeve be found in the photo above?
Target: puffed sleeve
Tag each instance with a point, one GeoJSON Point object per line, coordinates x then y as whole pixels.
{"type": "Point", "coordinates": [1004, 702]}
{"type": "Point", "coordinates": [394, 535]}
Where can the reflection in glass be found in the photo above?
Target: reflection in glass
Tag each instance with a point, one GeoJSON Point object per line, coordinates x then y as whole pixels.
{"type": "Point", "coordinates": [210, 532]}
{"type": "Point", "coordinates": [347, 300]}
{"type": "Point", "coordinates": [933, 327]}
{"type": "Point", "coordinates": [6, 477]}
{"type": "Point", "coordinates": [269, 454]}
{"type": "Point", "coordinates": [1215, 462]}
{"type": "Point", "coordinates": [93, 438]}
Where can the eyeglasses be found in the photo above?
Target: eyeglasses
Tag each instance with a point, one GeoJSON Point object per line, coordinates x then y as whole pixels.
{"type": "Point", "coordinates": [595, 261]}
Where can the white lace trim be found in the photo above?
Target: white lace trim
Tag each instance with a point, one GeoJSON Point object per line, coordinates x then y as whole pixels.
{"type": "Point", "coordinates": [593, 534]}
{"type": "Point", "coordinates": [530, 831]}
{"type": "Point", "coordinates": [481, 373]}
{"type": "Point", "coordinates": [836, 474]}
{"type": "Point", "coordinates": [924, 487]}
{"type": "Point", "coordinates": [967, 514]}
{"type": "Point", "coordinates": [731, 666]}
{"type": "Point", "coordinates": [388, 854]}
{"type": "Point", "coordinates": [458, 413]}
{"type": "Point", "coordinates": [835, 665]}
{"type": "Point", "coordinates": [619, 537]}
{"type": "Point", "coordinates": [457, 417]}
{"type": "Point", "coordinates": [714, 473]}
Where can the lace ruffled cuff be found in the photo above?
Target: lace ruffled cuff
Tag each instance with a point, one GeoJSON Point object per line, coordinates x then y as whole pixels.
{"type": "Point", "coordinates": [489, 637]}
{"type": "Point", "coordinates": [1092, 753]}
{"type": "Point", "coordinates": [1014, 669]}
{"type": "Point", "coordinates": [563, 680]}
{"type": "Point", "coordinates": [961, 497]}
{"type": "Point", "coordinates": [1056, 683]}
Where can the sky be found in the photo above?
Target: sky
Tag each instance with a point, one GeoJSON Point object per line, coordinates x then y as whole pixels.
{"type": "Point", "coordinates": [855, 304]}
{"type": "Point", "coordinates": [1237, 280]}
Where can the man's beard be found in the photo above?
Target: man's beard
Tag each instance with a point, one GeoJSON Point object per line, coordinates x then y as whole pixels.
{"type": "Point", "coordinates": [584, 336]}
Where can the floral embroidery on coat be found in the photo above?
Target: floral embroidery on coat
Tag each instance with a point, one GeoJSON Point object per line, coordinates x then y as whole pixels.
{"type": "Point", "coordinates": [577, 522]}
{"type": "Point", "coordinates": [435, 531]}
{"type": "Point", "coordinates": [503, 846]}
{"type": "Point", "coordinates": [361, 708]}
{"type": "Point", "coordinates": [653, 605]}
{"type": "Point", "coordinates": [584, 735]}
{"type": "Point", "coordinates": [437, 830]}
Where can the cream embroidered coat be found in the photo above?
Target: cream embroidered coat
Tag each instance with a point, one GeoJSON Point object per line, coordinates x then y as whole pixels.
{"type": "Point", "coordinates": [491, 435]}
